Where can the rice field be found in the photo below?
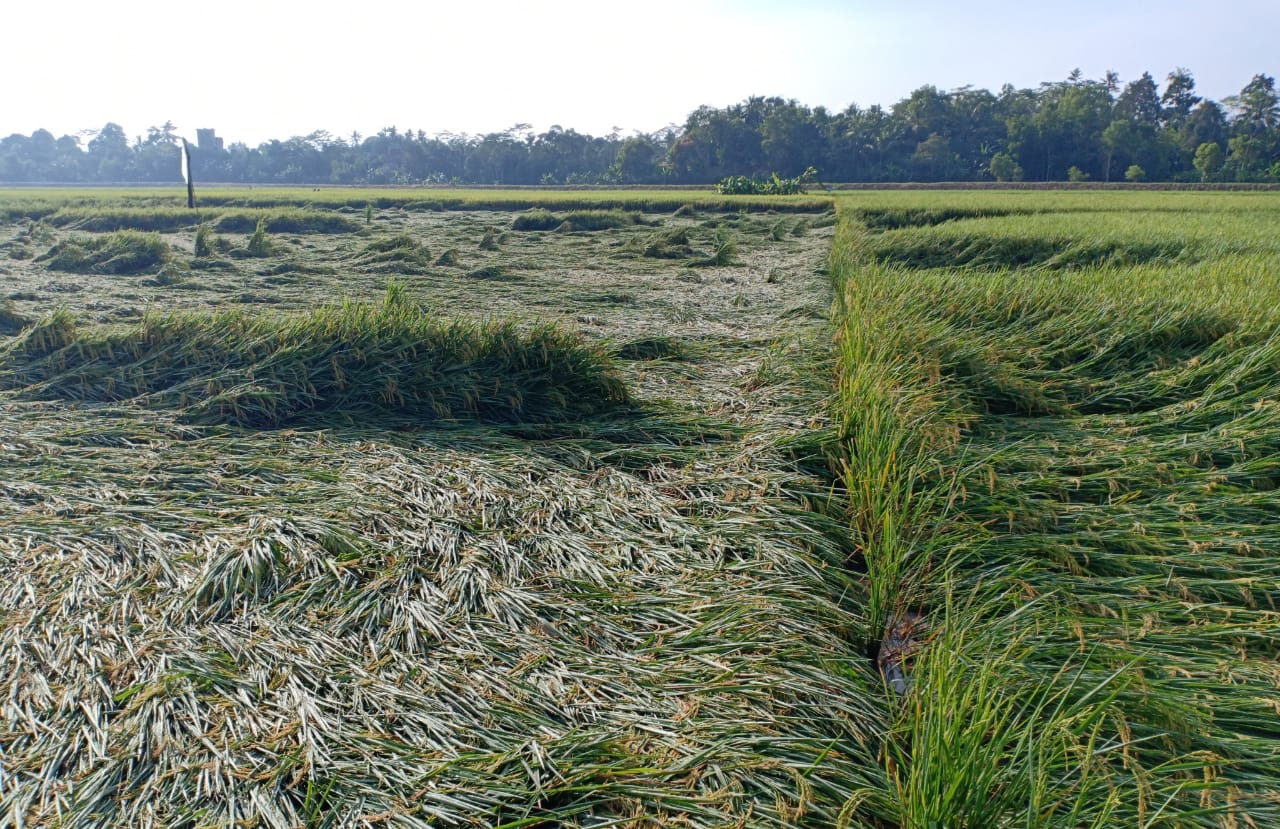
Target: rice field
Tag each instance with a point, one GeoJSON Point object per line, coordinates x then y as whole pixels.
{"type": "Point", "coordinates": [368, 614]}
{"type": "Point", "coordinates": [1060, 435]}
{"type": "Point", "coordinates": [427, 509]}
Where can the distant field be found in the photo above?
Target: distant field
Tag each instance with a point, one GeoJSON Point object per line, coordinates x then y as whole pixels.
{"type": "Point", "coordinates": [480, 508]}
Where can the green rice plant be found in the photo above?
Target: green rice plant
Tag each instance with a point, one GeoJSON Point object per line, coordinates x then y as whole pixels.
{"type": "Point", "coordinates": [891, 422]}
{"type": "Point", "coordinates": [672, 243]}
{"type": "Point", "coordinates": [396, 296]}
{"type": "Point", "coordinates": [894, 218]}
{"type": "Point", "coordinates": [350, 360]}
{"type": "Point", "coordinates": [46, 337]}
{"type": "Point", "coordinates": [652, 348]}
{"type": "Point", "coordinates": [205, 241]}
{"type": "Point", "coordinates": [1066, 240]}
{"type": "Point", "coordinates": [259, 245]}
{"type": "Point", "coordinates": [726, 253]}
{"type": "Point", "coordinates": [536, 219]}
{"type": "Point", "coordinates": [103, 219]}
{"type": "Point", "coordinates": [489, 241]}
{"type": "Point", "coordinates": [1101, 436]}
{"type": "Point", "coordinates": [1133, 204]}
{"type": "Point", "coordinates": [996, 252]}
{"type": "Point", "coordinates": [985, 739]}
{"type": "Point", "coordinates": [401, 252]}
{"type": "Point", "coordinates": [24, 208]}
{"type": "Point", "coordinates": [120, 252]}
{"type": "Point", "coordinates": [284, 220]}
{"type": "Point", "coordinates": [594, 220]}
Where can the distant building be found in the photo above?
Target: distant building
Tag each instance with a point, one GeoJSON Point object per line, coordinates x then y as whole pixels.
{"type": "Point", "coordinates": [207, 140]}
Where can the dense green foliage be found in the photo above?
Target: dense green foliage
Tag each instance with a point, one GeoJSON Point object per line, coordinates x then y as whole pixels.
{"type": "Point", "coordinates": [120, 252]}
{"type": "Point", "coordinates": [772, 186]}
{"type": "Point", "coordinates": [1098, 128]}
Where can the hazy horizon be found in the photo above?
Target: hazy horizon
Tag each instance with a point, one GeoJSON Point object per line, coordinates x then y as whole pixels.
{"type": "Point", "coordinates": [258, 71]}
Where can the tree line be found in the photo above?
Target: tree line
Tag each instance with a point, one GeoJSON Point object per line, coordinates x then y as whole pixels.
{"type": "Point", "coordinates": [1076, 129]}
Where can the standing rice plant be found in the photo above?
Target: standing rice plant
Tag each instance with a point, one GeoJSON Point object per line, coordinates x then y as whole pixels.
{"type": "Point", "coordinates": [204, 243]}
{"type": "Point", "coordinates": [259, 245]}
{"type": "Point", "coordinates": [985, 738]}
{"type": "Point", "coordinates": [891, 421]}
{"type": "Point", "coordinates": [726, 253]}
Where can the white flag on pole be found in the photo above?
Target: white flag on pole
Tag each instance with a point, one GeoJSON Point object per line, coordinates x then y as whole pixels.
{"type": "Point", "coordinates": [186, 162]}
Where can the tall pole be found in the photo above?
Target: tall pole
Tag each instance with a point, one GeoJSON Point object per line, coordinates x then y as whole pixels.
{"type": "Point", "coordinates": [186, 174]}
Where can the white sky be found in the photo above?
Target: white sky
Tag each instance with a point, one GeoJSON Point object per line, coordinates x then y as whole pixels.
{"type": "Point", "coordinates": [261, 69]}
